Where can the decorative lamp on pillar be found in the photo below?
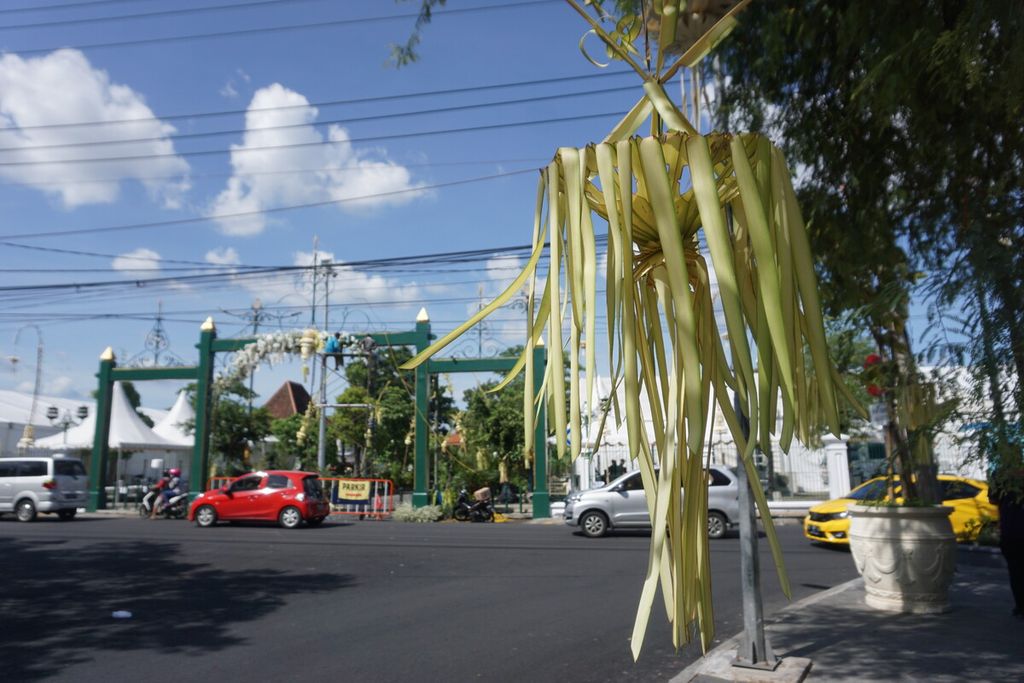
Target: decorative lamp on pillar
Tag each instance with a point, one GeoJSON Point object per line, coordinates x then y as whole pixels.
{"type": "Point", "coordinates": [307, 346]}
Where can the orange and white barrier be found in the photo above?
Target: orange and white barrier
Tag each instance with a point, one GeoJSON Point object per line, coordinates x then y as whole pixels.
{"type": "Point", "coordinates": [373, 498]}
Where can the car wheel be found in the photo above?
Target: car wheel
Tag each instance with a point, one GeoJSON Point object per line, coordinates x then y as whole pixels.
{"type": "Point", "coordinates": [316, 521]}
{"type": "Point", "coordinates": [717, 525]}
{"type": "Point", "coordinates": [290, 517]}
{"type": "Point", "coordinates": [25, 510]}
{"type": "Point", "coordinates": [206, 516]}
{"type": "Point", "coordinates": [67, 515]}
{"type": "Point", "coordinates": [594, 524]}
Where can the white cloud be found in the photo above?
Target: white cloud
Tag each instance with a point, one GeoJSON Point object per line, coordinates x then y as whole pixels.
{"type": "Point", "coordinates": [63, 87]}
{"type": "Point", "coordinates": [348, 285]}
{"type": "Point", "coordinates": [136, 260]}
{"type": "Point", "coordinates": [305, 258]}
{"type": "Point", "coordinates": [344, 173]}
{"type": "Point", "coordinates": [58, 385]}
{"type": "Point", "coordinates": [504, 269]}
{"type": "Point", "coordinates": [228, 90]}
{"type": "Point", "coordinates": [223, 256]}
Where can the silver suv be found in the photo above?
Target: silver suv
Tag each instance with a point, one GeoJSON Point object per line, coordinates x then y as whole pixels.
{"type": "Point", "coordinates": [51, 484]}
{"type": "Point", "coordinates": [622, 504]}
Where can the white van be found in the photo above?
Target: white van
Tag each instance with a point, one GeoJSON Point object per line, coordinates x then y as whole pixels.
{"type": "Point", "coordinates": [50, 484]}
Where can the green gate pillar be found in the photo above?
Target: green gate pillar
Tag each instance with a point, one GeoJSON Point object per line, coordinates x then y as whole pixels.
{"type": "Point", "coordinates": [541, 495]}
{"type": "Point", "coordinates": [419, 493]}
{"type": "Point", "coordinates": [101, 449]}
{"type": "Point", "coordinates": [199, 472]}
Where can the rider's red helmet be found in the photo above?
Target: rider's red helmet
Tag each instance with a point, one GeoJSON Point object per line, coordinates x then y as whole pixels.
{"type": "Point", "coordinates": [175, 472]}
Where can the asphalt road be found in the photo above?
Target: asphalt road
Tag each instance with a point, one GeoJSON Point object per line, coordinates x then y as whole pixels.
{"type": "Point", "coordinates": [361, 601]}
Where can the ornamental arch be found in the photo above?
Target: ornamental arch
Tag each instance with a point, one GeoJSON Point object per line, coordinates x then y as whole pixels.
{"type": "Point", "coordinates": [202, 374]}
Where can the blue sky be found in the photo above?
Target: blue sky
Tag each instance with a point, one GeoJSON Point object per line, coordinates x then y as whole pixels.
{"type": "Point", "coordinates": [404, 193]}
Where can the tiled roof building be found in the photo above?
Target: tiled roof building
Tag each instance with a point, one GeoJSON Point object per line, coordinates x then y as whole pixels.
{"type": "Point", "coordinates": [289, 399]}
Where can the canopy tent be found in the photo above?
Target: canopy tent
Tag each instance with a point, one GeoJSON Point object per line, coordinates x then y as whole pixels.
{"type": "Point", "coordinates": [172, 425]}
{"type": "Point", "coordinates": [127, 431]}
{"type": "Point", "coordinates": [15, 407]}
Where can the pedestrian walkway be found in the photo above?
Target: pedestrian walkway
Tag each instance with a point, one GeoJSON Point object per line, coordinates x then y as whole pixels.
{"type": "Point", "coordinates": [978, 639]}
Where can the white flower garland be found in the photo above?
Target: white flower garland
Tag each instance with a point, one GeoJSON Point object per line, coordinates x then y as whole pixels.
{"type": "Point", "coordinates": [271, 348]}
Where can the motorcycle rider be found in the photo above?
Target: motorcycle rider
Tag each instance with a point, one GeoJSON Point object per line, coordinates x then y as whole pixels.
{"type": "Point", "coordinates": [169, 486]}
{"type": "Point", "coordinates": [157, 488]}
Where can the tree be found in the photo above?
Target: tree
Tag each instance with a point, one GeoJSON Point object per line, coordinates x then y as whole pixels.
{"type": "Point", "coordinates": [908, 129]}
{"type": "Point", "coordinates": [233, 428]}
{"type": "Point", "coordinates": [492, 423]}
{"type": "Point", "coordinates": [378, 435]}
{"type": "Point", "coordinates": [288, 449]}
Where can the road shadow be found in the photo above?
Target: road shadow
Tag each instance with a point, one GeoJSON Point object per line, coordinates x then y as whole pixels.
{"type": "Point", "coordinates": [834, 547]}
{"type": "Point", "coordinates": [57, 602]}
{"type": "Point", "coordinates": [9, 518]}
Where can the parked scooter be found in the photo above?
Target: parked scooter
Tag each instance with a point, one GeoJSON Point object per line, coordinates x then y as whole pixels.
{"type": "Point", "coordinates": [469, 510]}
{"type": "Point", "coordinates": [176, 507]}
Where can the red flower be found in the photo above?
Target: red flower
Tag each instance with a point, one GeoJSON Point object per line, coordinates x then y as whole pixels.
{"type": "Point", "coordinates": [875, 390]}
{"type": "Point", "coordinates": [872, 359]}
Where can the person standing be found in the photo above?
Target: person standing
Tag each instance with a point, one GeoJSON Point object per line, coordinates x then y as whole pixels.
{"type": "Point", "coordinates": [333, 349]}
{"type": "Point", "coordinates": [1008, 493]}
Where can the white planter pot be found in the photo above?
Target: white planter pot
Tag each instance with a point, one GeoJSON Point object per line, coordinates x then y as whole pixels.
{"type": "Point", "coordinates": [905, 554]}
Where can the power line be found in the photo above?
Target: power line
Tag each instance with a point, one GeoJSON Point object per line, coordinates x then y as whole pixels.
{"type": "Point", "coordinates": [77, 252]}
{"type": "Point", "coordinates": [208, 266]}
{"type": "Point", "coordinates": [253, 4]}
{"type": "Point", "coordinates": [329, 122]}
{"type": "Point", "coordinates": [380, 263]}
{"type": "Point", "coordinates": [331, 103]}
{"type": "Point", "coordinates": [241, 214]}
{"type": "Point", "coordinates": [436, 257]}
{"type": "Point", "coordinates": [296, 171]}
{"type": "Point", "coordinates": [62, 6]}
{"type": "Point", "coordinates": [281, 29]}
{"type": "Point", "coordinates": [299, 145]}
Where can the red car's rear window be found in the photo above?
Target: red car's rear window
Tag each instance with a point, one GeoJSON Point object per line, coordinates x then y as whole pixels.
{"type": "Point", "coordinates": [312, 487]}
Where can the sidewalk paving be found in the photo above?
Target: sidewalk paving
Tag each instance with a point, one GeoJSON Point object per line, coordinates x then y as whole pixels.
{"type": "Point", "coordinates": [978, 639]}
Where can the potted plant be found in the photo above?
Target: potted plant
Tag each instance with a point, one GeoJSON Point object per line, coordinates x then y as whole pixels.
{"type": "Point", "coordinates": [903, 545]}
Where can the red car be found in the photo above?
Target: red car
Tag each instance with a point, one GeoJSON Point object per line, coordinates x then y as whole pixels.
{"type": "Point", "coordinates": [284, 496]}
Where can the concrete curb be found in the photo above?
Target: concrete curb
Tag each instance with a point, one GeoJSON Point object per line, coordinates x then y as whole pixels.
{"type": "Point", "coordinates": [720, 658]}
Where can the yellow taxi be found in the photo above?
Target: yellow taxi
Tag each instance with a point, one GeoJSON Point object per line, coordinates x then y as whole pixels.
{"type": "Point", "coordinates": [830, 521]}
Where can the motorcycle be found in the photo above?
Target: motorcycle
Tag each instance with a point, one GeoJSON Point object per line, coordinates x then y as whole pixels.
{"type": "Point", "coordinates": [469, 510]}
{"type": "Point", "coordinates": [176, 507]}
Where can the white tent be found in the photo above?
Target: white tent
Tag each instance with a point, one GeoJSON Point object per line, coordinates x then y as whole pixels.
{"type": "Point", "coordinates": [15, 407]}
{"type": "Point", "coordinates": [127, 431]}
{"type": "Point", "coordinates": [171, 427]}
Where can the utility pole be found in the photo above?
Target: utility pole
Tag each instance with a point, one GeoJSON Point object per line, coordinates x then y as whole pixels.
{"type": "Point", "coordinates": [327, 274]}
{"type": "Point", "coordinates": [316, 255]}
{"type": "Point", "coordinates": [755, 652]}
{"type": "Point", "coordinates": [321, 444]}
{"type": "Point", "coordinates": [254, 316]}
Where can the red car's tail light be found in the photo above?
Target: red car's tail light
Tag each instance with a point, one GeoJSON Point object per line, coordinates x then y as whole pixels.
{"type": "Point", "coordinates": [50, 484]}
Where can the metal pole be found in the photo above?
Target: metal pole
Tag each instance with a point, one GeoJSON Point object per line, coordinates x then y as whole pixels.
{"type": "Point", "coordinates": [321, 443]}
{"type": "Point", "coordinates": [257, 306]}
{"type": "Point", "coordinates": [755, 651]}
{"type": "Point", "coordinates": [433, 430]}
{"type": "Point", "coordinates": [316, 247]}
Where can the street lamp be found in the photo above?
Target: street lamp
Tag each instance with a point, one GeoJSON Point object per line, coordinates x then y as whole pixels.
{"type": "Point", "coordinates": [65, 421]}
{"type": "Point", "coordinates": [28, 436]}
